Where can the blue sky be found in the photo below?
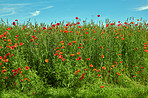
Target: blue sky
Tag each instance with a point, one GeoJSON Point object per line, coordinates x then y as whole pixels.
{"type": "Point", "coordinates": [47, 11]}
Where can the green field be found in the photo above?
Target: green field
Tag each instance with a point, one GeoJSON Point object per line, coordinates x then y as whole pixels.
{"type": "Point", "coordinates": [73, 60]}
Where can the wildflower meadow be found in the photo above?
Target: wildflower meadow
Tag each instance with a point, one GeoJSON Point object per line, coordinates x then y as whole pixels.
{"type": "Point", "coordinates": [74, 59]}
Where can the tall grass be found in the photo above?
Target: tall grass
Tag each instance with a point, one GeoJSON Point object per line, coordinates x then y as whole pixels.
{"type": "Point", "coordinates": [34, 57]}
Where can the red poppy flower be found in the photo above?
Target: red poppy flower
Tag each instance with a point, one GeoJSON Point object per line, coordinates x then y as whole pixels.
{"type": "Point", "coordinates": [103, 68]}
{"type": "Point", "coordinates": [18, 68]}
{"type": "Point", "coordinates": [118, 25]}
{"type": "Point", "coordinates": [31, 40]}
{"type": "Point", "coordinates": [14, 74]}
{"type": "Point", "coordinates": [78, 22]}
{"type": "Point", "coordinates": [136, 48]}
{"type": "Point", "coordinates": [69, 44]}
{"type": "Point", "coordinates": [25, 78]}
{"type": "Point", "coordinates": [77, 18]}
{"type": "Point", "coordinates": [102, 56]}
{"type": "Point", "coordinates": [12, 47]}
{"type": "Point", "coordinates": [3, 70]}
{"type": "Point", "coordinates": [21, 44]}
{"type": "Point", "coordinates": [71, 54]}
{"type": "Point", "coordinates": [101, 47]}
{"type": "Point", "coordinates": [58, 24]}
{"type": "Point", "coordinates": [107, 25]}
{"type": "Point", "coordinates": [44, 28]}
{"type": "Point", "coordinates": [83, 74]}
{"type": "Point", "coordinates": [125, 22]}
{"type": "Point", "coordinates": [16, 20]}
{"type": "Point", "coordinates": [7, 54]}
{"type": "Point", "coordinates": [53, 25]}
{"type": "Point", "coordinates": [11, 55]}
{"type": "Point", "coordinates": [102, 86]}
{"type": "Point", "coordinates": [46, 60]}
{"type": "Point", "coordinates": [88, 59]}
{"type": "Point", "coordinates": [60, 56]}
{"type": "Point", "coordinates": [82, 77]}
{"type": "Point", "coordinates": [90, 65]}
{"type": "Point", "coordinates": [6, 60]}
{"type": "Point", "coordinates": [33, 36]}
{"type": "Point", "coordinates": [14, 23]}
{"type": "Point", "coordinates": [97, 70]}
{"type": "Point", "coordinates": [50, 28]}
{"type": "Point", "coordinates": [63, 59]}
{"type": "Point", "coordinates": [27, 67]}
{"type": "Point", "coordinates": [17, 35]}
{"type": "Point", "coordinates": [74, 41]}
{"type": "Point", "coordinates": [99, 75]}
{"type": "Point", "coordinates": [98, 15]}
{"type": "Point", "coordinates": [9, 28]}
{"type": "Point", "coordinates": [79, 58]}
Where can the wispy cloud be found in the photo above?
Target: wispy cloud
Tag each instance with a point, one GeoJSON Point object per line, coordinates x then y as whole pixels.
{"type": "Point", "coordinates": [7, 11]}
{"type": "Point", "coordinates": [142, 8]}
{"type": "Point", "coordinates": [48, 7]}
{"type": "Point", "coordinates": [15, 4]}
{"type": "Point", "coordinates": [13, 12]}
{"type": "Point", "coordinates": [3, 10]}
{"type": "Point", "coordinates": [14, 8]}
{"type": "Point", "coordinates": [36, 13]}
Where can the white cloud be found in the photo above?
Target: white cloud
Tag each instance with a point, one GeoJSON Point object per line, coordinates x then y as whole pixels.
{"type": "Point", "coordinates": [13, 8]}
{"type": "Point", "coordinates": [12, 12]}
{"type": "Point", "coordinates": [15, 4]}
{"type": "Point", "coordinates": [48, 7]}
{"type": "Point", "coordinates": [3, 10]}
{"type": "Point", "coordinates": [36, 13]}
{"type": "Point", "coordinates": [142, 8]}
{"type": "Point", "coordinates": [7, 11]}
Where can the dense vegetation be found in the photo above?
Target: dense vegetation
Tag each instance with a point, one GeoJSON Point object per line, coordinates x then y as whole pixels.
{"type": "Point", "coordinates": [105, 61]}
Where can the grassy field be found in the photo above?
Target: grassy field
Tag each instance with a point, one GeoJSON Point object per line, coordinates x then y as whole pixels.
{"type": "Point", "coordinates": [73, 60]}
